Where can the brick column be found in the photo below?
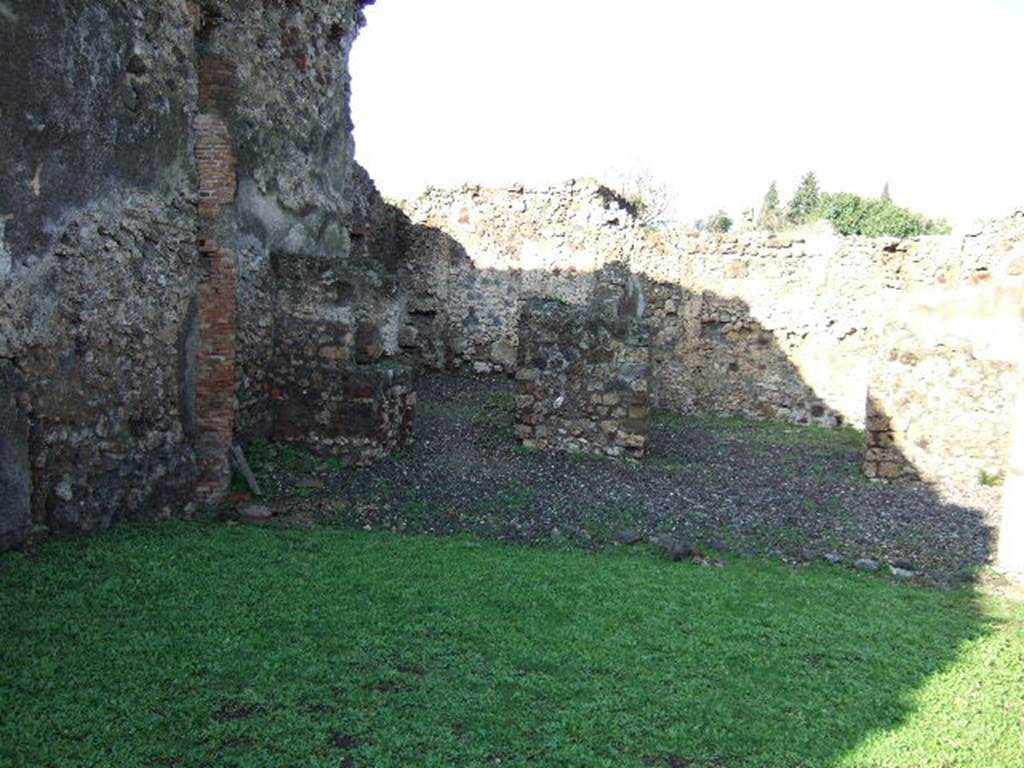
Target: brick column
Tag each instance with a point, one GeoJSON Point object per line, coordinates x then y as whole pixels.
{"type": "Point", "coordinates": [215, 369]}
{"type": "Point", "coordinates": [215, 384]}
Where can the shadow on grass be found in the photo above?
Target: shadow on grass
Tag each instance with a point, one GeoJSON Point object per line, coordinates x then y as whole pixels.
{"type": "Point", "coordinates": [205, 644]}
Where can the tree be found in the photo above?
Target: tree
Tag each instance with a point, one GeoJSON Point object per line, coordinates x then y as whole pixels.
{"type": "Point", "coordinates": [805, 202]}
{"type": "Point", "coordinates": [716, 222]}
{"type": "Point", "coordinates": [770, 217]}
{"type": "Point", "coordinates": [649, 196]}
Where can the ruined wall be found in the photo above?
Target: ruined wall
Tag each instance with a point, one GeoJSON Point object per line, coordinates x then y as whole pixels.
{"type": "Point", "coordinates": [942, 385]}
{"type": "Point", "coordinates": [943, 382]}
{"type": "Point", "coordinates": [473, 255]}
{"type": "Point", "coordinates": [312, 238]}
{"type": "Point", "coordinates": [98, 265]}
{"type": "Point", "coordinates": [15, 470]}
{"type": "Point", "coordinates": [748, 324]}
{"type": "Point", "coordinates": [160, 158]}
{"type": "Point", "coordinates": [582, 379]}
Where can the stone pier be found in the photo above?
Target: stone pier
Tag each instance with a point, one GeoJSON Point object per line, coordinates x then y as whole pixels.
{"type": "Point", "coordinates": [583, 381]}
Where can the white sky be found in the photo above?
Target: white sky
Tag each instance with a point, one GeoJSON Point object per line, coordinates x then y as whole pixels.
{"type": "Point", "coordinates": [715, 97]}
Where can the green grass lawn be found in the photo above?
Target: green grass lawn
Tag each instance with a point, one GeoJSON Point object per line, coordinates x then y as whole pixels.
{"type": "Point", "coordinates": [202, 644]}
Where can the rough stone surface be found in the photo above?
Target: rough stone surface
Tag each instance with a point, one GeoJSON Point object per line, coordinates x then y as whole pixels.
{"type": "Point", "coordinates": [255, 512]}
{"type": "Point", "coordinates": [356, 414]}
{"type": "Point", "coordinates": [15, 473]}
{"type": "Point", "coordinates": [98, 223]}
{"type": "Point", "coordinates": [583, 380]}
{"type": "Point", "coordinates": [748, 324]}
{"type": "Point", "coordinates": [942, 386]}
{"type": "Point", "coordinates": [167, 153]}
{"type": "Point", "coordinates": [1011, 537]}
{"type": "Point", "coordinates": [280, 192]}
{"type": "Point", "coordinates": [628, 536]}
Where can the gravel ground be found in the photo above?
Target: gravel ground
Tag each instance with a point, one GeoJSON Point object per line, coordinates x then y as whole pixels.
{"type": "Point", "coordinates": [708, 484]}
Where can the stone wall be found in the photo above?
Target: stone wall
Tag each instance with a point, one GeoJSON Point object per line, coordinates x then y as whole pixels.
{"type": "Point", "coordinates": [943, 384]}
{"type": "Point", "coordinates": [943, 378]}
{"type": "Point", "coordinates": [356, 414]}
{"type": "Point", "coordinates": [98, 260]}
{"type": "Point", "coordinates": [164, 156]}
{"type": "Point", "coordinates": [185, 236]}
{"type": "Point", "coordinates": [15, 478]}
{"type": "Point", "coordinates": [749, 324]}
{"type": "Point", "coordinates": [333, 391]}
{"type": "Point", "coordinates": [582, 380]}
{"type": "Point", "coordinates": [473, 255]}
{"type": "Point", "coordinates": [296, 211]}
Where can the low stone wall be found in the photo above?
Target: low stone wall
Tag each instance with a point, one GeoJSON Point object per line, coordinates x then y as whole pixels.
{"type": "Point", "coordinates": [943, 385]}
{"type": "Point", "coordinates": [357, 414]}
{"type": "Point", "coordinates": [582, 381]}
{"type": "Point", "coordinates": [331, 389]}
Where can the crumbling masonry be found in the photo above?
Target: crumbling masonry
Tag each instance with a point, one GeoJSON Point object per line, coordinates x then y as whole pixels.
{"type": "Point", "coordinates": [190, 258]}
{"type": "Point", "coordinates": [167, 167]}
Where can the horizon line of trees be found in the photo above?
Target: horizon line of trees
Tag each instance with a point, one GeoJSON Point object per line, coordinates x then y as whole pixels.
{"type": "Point", "coordinates": [849, 213]}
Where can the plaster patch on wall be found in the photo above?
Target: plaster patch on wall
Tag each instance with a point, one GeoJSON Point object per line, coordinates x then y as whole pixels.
{"type": "Point", "coordinates": [37, 181]}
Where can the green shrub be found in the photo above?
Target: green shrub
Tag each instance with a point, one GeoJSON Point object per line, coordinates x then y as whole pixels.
{"type": "Point", "coordinates": [852, 214]}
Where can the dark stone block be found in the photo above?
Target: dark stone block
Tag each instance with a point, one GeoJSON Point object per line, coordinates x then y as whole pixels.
{"type": "Point", "coordinates": [15, 472]}
{"type": "Point", "coordinates": [369, 343]}
{"type": "Point", "coordinates": [360, 418]}
{"type": "Point", "coordinates": [293, 415]}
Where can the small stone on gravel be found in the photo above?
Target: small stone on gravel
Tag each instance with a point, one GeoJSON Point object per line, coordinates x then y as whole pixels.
{"type": "Point", "coordinates": [901, 573]}
{"type": "Point", "coordinates": [833, 557]}
{"type": "Point", "coordinates": [255, 512]}
{"type": "Point", "coordinates": [676, 552]}
{"type": "Point", "coordinates": [866, 564]}
{"type": "Point", "coordinates": [628, 536]}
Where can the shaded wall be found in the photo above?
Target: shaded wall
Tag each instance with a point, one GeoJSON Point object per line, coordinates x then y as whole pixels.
{"type": "Point", "coordinates": [804, 329]}
{"type": "Point", "coordinates": [583, 374]}
{"type": "Point", "coordinates": [159, 158]}
{"type": "Point", "coordinates": [746, 324]}
{"type": "Point", "coordinates": [98, 265]}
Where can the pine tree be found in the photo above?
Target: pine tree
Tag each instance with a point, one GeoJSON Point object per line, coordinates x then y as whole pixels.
{"type": "Point", "coordinates": [805, 200]}
{"type": "Point", "coordinates": [770, 216]}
